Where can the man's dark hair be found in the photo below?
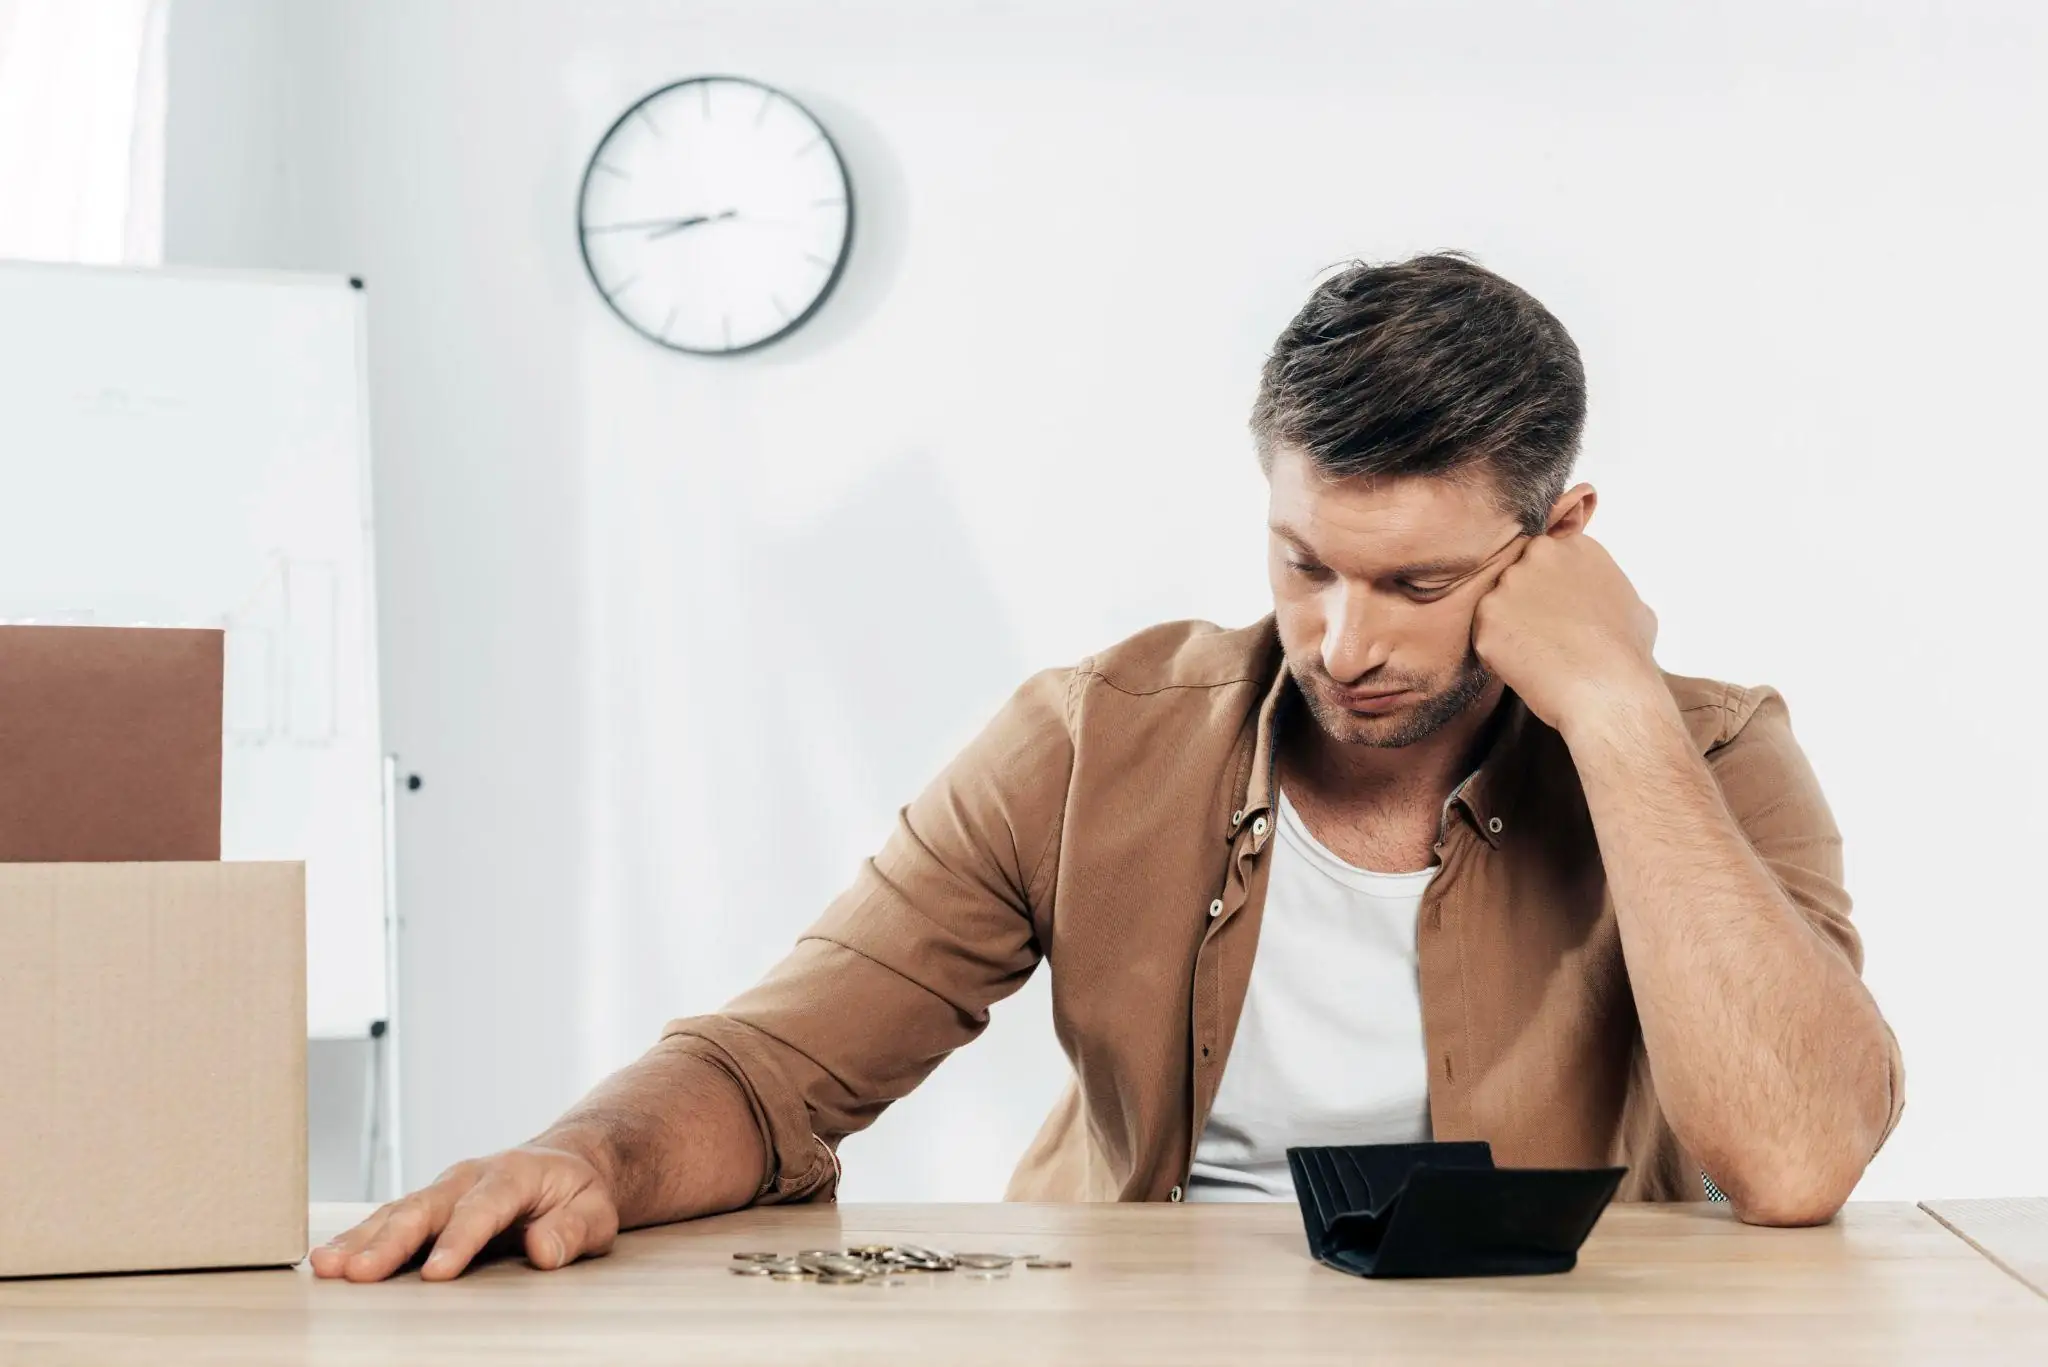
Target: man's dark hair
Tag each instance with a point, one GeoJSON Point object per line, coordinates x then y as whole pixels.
{"type": "Point", "coordinates": [1431, 366]}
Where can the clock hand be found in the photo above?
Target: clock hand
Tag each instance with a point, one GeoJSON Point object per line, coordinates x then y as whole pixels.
{"type": "Point", "coordinates": [663, 226]}
{"type": "Point", "coordinates": [679, 224]}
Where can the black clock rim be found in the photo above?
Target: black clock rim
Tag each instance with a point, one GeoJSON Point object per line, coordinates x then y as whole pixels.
{"type": "Point", "coordinates": [838, 265]}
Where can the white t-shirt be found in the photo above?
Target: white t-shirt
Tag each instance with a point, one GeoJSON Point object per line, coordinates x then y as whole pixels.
{"type": "Point", "coordinates": [1329, 1049]}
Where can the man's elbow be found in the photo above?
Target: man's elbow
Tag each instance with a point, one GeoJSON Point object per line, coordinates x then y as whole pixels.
{"type": "Point", "coordinates": [1791, 1204]}
{"type": "Point", "coordinates": [1796, 1181]}
{"type": "Point", "coordinates": [1793, 1194]}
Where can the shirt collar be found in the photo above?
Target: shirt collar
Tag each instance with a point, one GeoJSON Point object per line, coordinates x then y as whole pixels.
{"type": "Point", "coordinates": [1483, 794]}
{"type": "Point", "coordinates": [1255, 800]}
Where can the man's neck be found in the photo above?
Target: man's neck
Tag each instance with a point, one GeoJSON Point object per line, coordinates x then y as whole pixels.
{"type": "Point", "coordinates": [1346, 774]}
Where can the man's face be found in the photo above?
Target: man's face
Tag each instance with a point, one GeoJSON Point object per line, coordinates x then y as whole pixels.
{"type": "Point", "coordinates": [1374, 585]}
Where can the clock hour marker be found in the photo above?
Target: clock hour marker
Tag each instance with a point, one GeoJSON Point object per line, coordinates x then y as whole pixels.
{"type": "Point", "coordinates": [669, 321]}
{"type": "Point", "coordinates": [608, 167]}
{"type": "Point", "coordinates": [780, 307]}
{"type": "Point", "coordinates": [616, 290]}
{"type": "Point", "coordinates": [648, 119]}
{"type": "Point", "coordinates": [704, 89]}
{"type": "Point", "coordinates": [826, 203]}
{"type": "Point", "coordinates": [818, 141]}
{"type": "Point", "coordinates": [726, 324]}
{"type": "Point", "coordinates": [767, 98]}
{"type": "Point", "coordinates": [818, 260]}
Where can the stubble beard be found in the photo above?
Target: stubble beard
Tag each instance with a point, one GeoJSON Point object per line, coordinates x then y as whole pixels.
{"type": "Point", "coordinates": [1416, 722]}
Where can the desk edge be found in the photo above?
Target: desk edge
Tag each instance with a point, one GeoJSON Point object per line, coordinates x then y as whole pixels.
{"type": "Point", "coordinates": [2001, 1264]}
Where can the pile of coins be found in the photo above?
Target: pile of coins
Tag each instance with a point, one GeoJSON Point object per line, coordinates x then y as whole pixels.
{"type": "Point", "coordinates": [884, 1264]}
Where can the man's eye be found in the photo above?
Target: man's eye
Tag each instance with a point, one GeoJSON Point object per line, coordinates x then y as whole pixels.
{"type": "Point", "coordinates": [1306, 569]}
{"type": "Point", "coordinates": [1421, 590]}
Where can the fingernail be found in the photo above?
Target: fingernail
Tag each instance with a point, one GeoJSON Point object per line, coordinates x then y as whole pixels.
{"type": "Point", "coordinates": [558, 1253]}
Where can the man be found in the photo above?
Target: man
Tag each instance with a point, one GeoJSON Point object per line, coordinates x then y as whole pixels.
{"type": "Point", "coordinates": [1436, 851]}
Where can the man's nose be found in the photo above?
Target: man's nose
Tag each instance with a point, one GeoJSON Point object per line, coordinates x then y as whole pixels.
{"type": "Point", "coordinates": [1353, 644]}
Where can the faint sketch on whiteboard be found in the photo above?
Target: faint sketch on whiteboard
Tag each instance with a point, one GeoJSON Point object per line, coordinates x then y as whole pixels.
{"type": "Point", "coordinates": [282, 657]}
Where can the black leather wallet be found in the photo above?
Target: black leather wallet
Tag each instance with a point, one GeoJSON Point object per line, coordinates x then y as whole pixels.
{"type": "Point", "coordinates": [1444, 1210]}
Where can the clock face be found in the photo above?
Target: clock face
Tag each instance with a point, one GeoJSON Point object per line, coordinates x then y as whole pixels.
{"type": "Point", "coordinates": [715, 215]}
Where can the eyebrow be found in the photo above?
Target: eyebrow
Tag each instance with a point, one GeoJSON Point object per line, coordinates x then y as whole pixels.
{"type": "Point", "coordinates": [1451, 566]}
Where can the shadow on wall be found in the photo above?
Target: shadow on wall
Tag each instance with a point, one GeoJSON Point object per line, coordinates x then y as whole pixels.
{"type": "Point", "coordinates": [882, 607]}
{"type": "Point", "coordinates": [883, 604]}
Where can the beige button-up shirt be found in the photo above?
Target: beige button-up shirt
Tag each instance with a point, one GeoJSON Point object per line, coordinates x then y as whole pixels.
{"type": "Point", "coordinates": [1115, 821]}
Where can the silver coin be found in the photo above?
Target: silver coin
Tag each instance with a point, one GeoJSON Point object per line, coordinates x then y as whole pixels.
{"type": "Point", "coordinates": [983, 1262]}
{"type": "Point", "coordinates": [924, 1255]}
{"type": "Point", "coordinates": [1047, 1264]}
{"type": "Point", "coordinates": [832, 1264]}
{"type": "Point", "coordinates": [756, 1257]}
{"type": "Point", "coordinates": [916, 1262]}
{"type": "Point", "coordinates": [750, 1270]}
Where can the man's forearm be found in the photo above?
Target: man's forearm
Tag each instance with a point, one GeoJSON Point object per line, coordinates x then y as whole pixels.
{"type": "Point", "coordinates": [673, 1136]}
{"type": "Point", "coordinates": [1769, 1056]}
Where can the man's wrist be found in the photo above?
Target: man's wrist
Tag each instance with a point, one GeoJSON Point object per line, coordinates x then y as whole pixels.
{"type": "Point", "coordinates": [1634, 712]}
{"type": "Point", "coordinates": [587, 1141]}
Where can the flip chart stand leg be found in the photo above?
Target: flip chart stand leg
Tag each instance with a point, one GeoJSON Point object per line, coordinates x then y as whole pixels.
{"type": "Point", "coordinates": [374, 1106]}
{"type": "Point", "coordinates": [383, 1150]}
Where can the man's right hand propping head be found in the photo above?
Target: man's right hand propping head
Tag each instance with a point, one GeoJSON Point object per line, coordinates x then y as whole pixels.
{"type": "Point", "coordinates": [557, 1202]}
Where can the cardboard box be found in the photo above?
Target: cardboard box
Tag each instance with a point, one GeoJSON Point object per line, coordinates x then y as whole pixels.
{"type": "Point", "coordinates": [152, 1066]}
{"type": "Point", "coordinates": [110, 743]}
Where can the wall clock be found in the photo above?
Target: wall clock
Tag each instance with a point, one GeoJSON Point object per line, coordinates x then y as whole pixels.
{"type": "Point", "coordinates": [715, 215]}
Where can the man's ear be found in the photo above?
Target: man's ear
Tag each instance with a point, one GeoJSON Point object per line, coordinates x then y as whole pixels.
{"type": "Point", "coordinates": [1572, 511]}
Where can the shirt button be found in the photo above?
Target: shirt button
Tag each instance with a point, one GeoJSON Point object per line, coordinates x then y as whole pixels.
{"type": "Point", "coordinates": [1173, 1195]}
{"type": "Point", "coordinates": [1258, 825]}
{"type": "Point", "coordinates": [1216, 908]}
{"type": "Point", "coordinates": [1494, 825]}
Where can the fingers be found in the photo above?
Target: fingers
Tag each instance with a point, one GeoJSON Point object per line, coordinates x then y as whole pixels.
{"type": "Point", "coordinates": [583, 1227]}
{"type": "Point", "coordinates": [402, 1229]}
{"type": "Point", "coordinates": [329, 1258]}
{"type": "Point", "coordinates": [570, 1210]}
{"type": "Point", "coordinates": [503, 1195]}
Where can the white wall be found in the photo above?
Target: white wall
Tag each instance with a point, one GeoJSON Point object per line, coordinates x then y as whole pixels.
{"type": "Point", "coordinates": [669, 639]}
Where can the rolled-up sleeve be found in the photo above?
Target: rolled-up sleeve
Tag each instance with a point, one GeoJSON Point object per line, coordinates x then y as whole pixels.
{"type": "Point", "coordinates": [1772, 793]}
{"type": "Point", "coordinates": [902, 968]}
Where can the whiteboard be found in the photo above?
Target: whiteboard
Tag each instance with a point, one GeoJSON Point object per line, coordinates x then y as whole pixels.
{"type": "Point", "coordinates": [190, 448]}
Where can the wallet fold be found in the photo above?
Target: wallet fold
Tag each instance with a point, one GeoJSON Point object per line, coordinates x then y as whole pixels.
{"type": "Point", "coordinates": [1443, 1210]}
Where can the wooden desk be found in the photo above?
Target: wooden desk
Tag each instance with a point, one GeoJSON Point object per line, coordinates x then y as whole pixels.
{"type": "Point", "coordinates": [2011, 1232]}
{"type": "Point", "coordinates": [1174, 1284]}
